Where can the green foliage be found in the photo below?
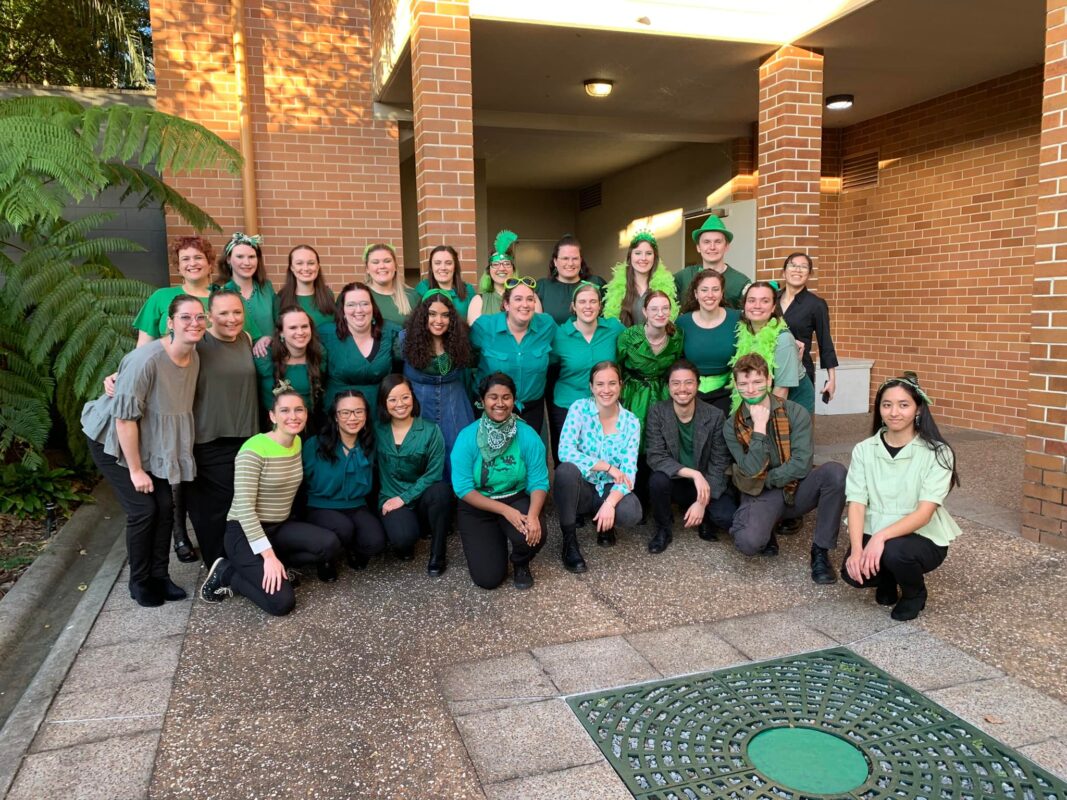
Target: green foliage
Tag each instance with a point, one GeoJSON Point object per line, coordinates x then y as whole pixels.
{"type": "Point", "coordinates": [25, 492]}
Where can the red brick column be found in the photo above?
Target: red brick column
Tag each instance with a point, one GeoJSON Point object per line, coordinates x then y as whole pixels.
{"type": "Point", "coordinates": [789, 154]}
{"type": "Point", "coordinates": [444, 129]}
{"type": "Point", "coordinates": [1045, 474]}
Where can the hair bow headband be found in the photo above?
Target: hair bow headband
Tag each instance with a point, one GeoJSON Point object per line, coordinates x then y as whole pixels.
{"type": "Point", "coordinates": [240, 238]}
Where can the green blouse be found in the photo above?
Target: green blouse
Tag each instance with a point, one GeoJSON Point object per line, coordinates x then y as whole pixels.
{"type": "Point", "coordinates": [387, 305]}
{"type": "Point", "coordinates": [152, 318]}
{"type": "Point", "coordinates": [259, 308]}
{"type": "Point", "coordinates": [350, 369]}
{"type": "Point", "coordinates": [408, 469]}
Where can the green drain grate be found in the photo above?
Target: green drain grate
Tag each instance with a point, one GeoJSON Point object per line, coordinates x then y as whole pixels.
{"type": "Point", "coordinates": [824, 724]}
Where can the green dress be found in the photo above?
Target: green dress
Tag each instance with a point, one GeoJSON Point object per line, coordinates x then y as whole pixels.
{"type": "Point", "coordinates": [644, 372]}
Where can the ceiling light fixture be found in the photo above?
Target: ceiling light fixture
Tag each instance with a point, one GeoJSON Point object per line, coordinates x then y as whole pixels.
{"type": "Point", "coordinates": [839, 102]}
{"type": "Point", "coordinates": [598, 87]}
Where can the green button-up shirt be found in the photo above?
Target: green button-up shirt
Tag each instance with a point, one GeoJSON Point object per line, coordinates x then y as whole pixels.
{"type": "Point", "coordinates": [576, 357]}
{"type": "Point", "coordinates": [526, 362]}
{"type": "Point", "coordinates": [408, 469]}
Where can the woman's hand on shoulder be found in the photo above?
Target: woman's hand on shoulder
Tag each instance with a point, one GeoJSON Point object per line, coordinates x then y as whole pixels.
{"type": "Point", "coordinates": [261, 346]}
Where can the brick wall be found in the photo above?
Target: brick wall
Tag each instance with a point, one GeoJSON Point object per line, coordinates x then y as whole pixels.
{"type": "Point", "coordinates": [1045, 475]}
{"type": "Point", "coordinates": [327, 173]}
{"type": "Point", "coordinates": [933, 269]}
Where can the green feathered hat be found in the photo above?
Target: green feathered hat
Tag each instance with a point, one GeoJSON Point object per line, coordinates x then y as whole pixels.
{"type": "Point", "coordinates": [502, 246]}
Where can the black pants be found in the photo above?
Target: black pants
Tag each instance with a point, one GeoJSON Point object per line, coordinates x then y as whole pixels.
{"type": "Point", "coordinates": [905, 560]}
{"type": "Point", "coordinates": [148, 517]}
{"type": "Point", "coordinates": [664, 490]}
{"type": "Point", "coordinates": [533, 414]}
{"type": "Point", "coordinates": [575, 495]}
{"type": "Point", "coordinates": [720, 398]}
{"type": "Point", "coordinates": [430, 511]}
{"type": "Point", "coordinates": [209, 495]}
{"type": "Point", "coordinates": [357, 529]}
{"type": "Point", "coordinates": [295, 544]}
{"type": "Point", "coordinates": [485, 538]}
{"type": "Point", "coordinates": [556, 417]}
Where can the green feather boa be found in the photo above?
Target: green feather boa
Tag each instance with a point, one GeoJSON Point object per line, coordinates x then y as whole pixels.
{"type": "Point", "coordinates": [763, 343]}
{"type": "Point", "coordinates": [662, 281]}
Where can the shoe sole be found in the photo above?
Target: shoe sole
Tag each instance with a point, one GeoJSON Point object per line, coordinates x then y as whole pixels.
{"type": "Point", "coordinates": [214, 598]}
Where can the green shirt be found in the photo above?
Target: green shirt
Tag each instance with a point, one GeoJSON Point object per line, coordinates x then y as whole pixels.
{"type": "Point", "coordinates": [296, 374]}
{"type": "Point", "coordinates": [526, 361]}
{"type": "Point", "coordinates": [522, 466]}
{"type": "Point", "coordinates": [556, 296]}
{"type": "Point", "coordinates": [387, 305]}
{"type": "Point", "coordinates": [735, 284]}
{"type": "Point", "coordinates": [892, 488]}
{"type": "Point", "coordinates": [710, 349]}
{"type": "Point", "coordinates": [259, 308]}
{"type": "Point", "coordinates": [152, 318]}
{"type": "Point", "coordinates": [350, 369]}
{"type": "Point", "coordinates": [410, 468]}
{"type": "Point", "coordinates": [306, 302]}
{"type": "Point", "coordinates": [343, 483]}
{"type": "Point", "coordinates": [685, 444]}
{"type": "Point", "coordinates": [576, 357]}
{"type": "Point", "coordinates": [461, 304]}
{"type": "Point", "coordinates": [266, 476]}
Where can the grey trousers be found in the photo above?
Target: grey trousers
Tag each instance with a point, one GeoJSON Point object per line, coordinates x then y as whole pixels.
{"type": "Point", "coordinates": [822, 489]}
{"type": "Point", "coordinates": [574, 495]}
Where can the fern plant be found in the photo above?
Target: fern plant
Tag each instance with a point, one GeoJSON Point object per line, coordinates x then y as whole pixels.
{"type": "Point", "coordinates": [65, 311]}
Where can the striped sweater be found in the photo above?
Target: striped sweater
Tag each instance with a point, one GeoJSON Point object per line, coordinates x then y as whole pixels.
{"type": "Point", "coordinates": [266, 476]}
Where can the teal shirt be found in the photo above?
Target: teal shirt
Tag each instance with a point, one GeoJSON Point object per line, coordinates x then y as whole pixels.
{"type": "Point", "coordinates": [344, 483]}
{"type": "Point", "coordinates": [152, 318]}
{"type": "Point", "coordinates": [408, 469]}
{"type": "Point", "coordinates": [527, 469]}
{"type": "Point", "coordinates": [710, 349]}
{"type": "Point", "coordinates": [526, 362]}
{"type": "Point", "coordinates": [387, 305]}
{"type": "Point", "coordinates": [306, 302]}
{"type": "Point", "coordinates": [556, 296]}
{"type": "Point", "coordinates": [461, 304]}
{"type": "Point", "coordinates": [259, 309]}
{"type": "Point", "coordinates": [296, 374]}
{"type": "Point", "coordinates": [576, 357]}
{"type": "Point", "coordinates": [350, 369]}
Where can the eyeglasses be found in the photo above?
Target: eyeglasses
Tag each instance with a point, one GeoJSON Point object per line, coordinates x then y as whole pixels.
{"type": "Point", "coordinates": [185, 319]}
{"type": "Point", "coordinates": [798, 267]}
{"type": "Point", "coordinates": [511, 283]}
{"type": "Point", "coordinates": [350, 413]}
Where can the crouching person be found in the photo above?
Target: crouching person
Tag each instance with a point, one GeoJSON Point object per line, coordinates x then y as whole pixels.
{"type": "Point", "coordinates": [687, 454]}
{"type": "Point", "coordinates": [771, 442]}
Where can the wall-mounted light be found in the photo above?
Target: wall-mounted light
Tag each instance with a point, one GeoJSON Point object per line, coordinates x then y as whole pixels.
{"type": "Point", "coordinates": [598, 87]}
{"type": "Point", "coordinates": [839, 102]}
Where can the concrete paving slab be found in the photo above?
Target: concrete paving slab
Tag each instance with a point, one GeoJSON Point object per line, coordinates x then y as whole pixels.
{"type": "Point", "coordinates": [1006, 709]}
{"type": "Point", "coordinates": [1050, 754]}
{"type": "Point", "coordinates": [770, 635]}
{"type": "Point", "coordinates": [679, 651]}
{"type": "Point", "coordinates": [594, 782]}
{"type": "Point", "coordinates": [526, 740]}
{"type": "Point", "coordinates": [847, 622]}
{"type": "Point", "coordinates": [113, 769]}
{"type": "Point", "coordinates": [921, 660]}
{"type": "Point", "coordinates": [496, 683]}
{"type": "Point", "coordinates": [594, 664]}
{"type": "Point", "coordinates": [138, 624]}
{"type": "Point", "coordinates": [124, 663]}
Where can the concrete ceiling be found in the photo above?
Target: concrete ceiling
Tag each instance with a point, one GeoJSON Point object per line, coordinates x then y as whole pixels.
{"type": "Point", "coordinates": [535, 126]}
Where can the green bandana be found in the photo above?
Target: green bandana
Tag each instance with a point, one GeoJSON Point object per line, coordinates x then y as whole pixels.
{"type": "Point", "coordinates": [493, 438]}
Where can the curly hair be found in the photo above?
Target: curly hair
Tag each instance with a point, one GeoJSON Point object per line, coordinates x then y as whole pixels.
{"type": "Point", "coordinates": [691, 303]}
{"type": "Point", "coordinates": [279, 353]}
{"type": "Point", "coordinates": [189, 242]}
{"type": "Point", "coordinates": [418, 341]}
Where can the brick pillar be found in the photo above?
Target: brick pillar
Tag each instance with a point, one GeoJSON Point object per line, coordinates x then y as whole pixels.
{"type": "Point", "coordinates": [789, 152]}
{"type": "Point", "coordinates": [1045, 473]}
{"type": "Point", "coordinates": [743, 184]}
{"type": "Point", "coordinates": [444, 130]}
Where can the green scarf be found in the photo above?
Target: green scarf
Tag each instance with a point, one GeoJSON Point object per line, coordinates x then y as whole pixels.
{"type": "Point", "coordinates": [493, 438]}
{"type": "Point", "coordinates": [763, 343]}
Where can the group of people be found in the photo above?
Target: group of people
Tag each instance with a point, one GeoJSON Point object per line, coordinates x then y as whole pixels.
{"type": "Point", "coordinates": [299, 429]}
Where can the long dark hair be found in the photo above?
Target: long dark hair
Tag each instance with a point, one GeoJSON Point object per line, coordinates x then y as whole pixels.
{"type": "Point", "coordinates": [322, 298]}
{"type": "Point", "coordinates": [279, 353]}
{"type": "Point", "coordinates": [775, 314]}
{"type": "Point", "coordinates": [330, 434]}
{"type": "Point", "coordinates": [339, 313]}
{"type": "Point", "coordinates": [418, 341]}
{"type": "Point", "coordinates": [691, 303]}
{"type": "Point", "coordinates": [458, 285]}
{"type": "Point", "coordinates": [390, 382]}
{"type": "Point", "coordinates": [626, 316]}
{"type": "Point", "coordinates": [568, 240]}
{"type": "Point", "coordinates": [925, 426]}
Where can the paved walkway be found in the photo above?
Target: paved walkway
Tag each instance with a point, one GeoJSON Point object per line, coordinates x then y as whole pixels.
{"type": "Point", "coordinates": [354, 694]}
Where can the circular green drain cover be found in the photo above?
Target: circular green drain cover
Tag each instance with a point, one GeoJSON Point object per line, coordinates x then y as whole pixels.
{"type": "Point", "coordinates": [808, 760]}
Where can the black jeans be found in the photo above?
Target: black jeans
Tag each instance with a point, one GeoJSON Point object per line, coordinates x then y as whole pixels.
{"type": "Point", "coordinates": [905, 560]}
{"type": "Point", "coordinates": [149, 517]}
{"type": "Point", "coordinates": [664, 490]}
{"type": "Point", "coordinates": [209, 495]}
{"type": "Point", "coordinates": [295, 544]}
{"type": "Point", "coordinates": [575, 495]}
{"type": "Point", "coordinates": [556, 417]}
{"type": "Point", "coordinates": [357, 529]}
{"type": "Point", "coordinates": [432, 511]}
{"type": "Point", "coordinates": [485, 538]}
{"type": "Point", "coordinates": [533, 414]}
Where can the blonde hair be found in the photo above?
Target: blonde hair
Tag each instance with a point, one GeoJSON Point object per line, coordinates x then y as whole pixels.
{"type": "Point", "coordinates": [400, 296]}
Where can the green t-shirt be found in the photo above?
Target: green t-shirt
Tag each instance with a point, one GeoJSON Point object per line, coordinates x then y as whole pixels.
{"type": "Point", "coordinates": [735, 284]}
{"type": "Point", "coordinates": [387, 305]}
{"type": "Point", "coordinates": [259, 308]}
{"type": "Point", "coordinates": [152, 318]}
{"type": "Point", "coordinates": [710, 349]}
{"type": "Point", "coordinates": [685, 444]}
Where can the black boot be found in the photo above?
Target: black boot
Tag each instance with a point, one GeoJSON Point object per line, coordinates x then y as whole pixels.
{"type": "Point", "coordinates": [571, 555]}
{"type": "Point", "coordinates": [183, 548]}
{"type": "Point", "coordinates": [169, 589]}
{"type": "Point", "coordinates": [357, 561]}
{"type": "Point", "coordinates": [607, 538]}
{"type": "Point", "coordinates": [708, 532]}
{"type": "Point", "coordinates": [661, 540]}
{"type": "Point", "coordinates": [821, 571]}
{"type": "Point", "coordinates": [886, 594]}
{"type": "Point", "coordinates": [771, 548]}
{"type": "Point", "coordinates": [438, 554]}
{"type": "Point", "coordinates": [326, 571]}
{"type": "Point", "coordinates": [147, 593]}
{"type": "Point", "coordinates": [909, 607]}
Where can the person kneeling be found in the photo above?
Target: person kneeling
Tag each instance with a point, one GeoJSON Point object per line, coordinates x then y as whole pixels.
{"type": "Point", "coordinates": [906, 464]}
{"type": "Point", "coordinates": [259, 531]}
{"type": "Point", "coordinates": [771, 443]}
{"type": "Point", "coordinates": [598, 453]}
{"type": "Point", "coordinates": [500, 476]}
{"type": "Point", "coordinates": [687, 454]}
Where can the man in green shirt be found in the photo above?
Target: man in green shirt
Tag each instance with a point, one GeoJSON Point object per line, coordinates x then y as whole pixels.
{"type": "Point", "coordinates": [712, 241]}
{"type": "Point", "coordinates": [771, 443]}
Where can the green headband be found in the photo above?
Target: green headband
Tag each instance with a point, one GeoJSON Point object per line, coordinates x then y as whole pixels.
{"type": "Point", "coordinates": [501, 245]}
{"type": "Point", "coordinates": [240, 238]}
{"type": "Point", "coordinates": [442, 292]}
{"type": "Point", "coordinates": [582, 285]}
{"type": "Point", "coordinates": [377, 246]}
{"type": "Point", "coordinates": [644, 235]}
{"type": "Point", "coordinates": [913, 382]}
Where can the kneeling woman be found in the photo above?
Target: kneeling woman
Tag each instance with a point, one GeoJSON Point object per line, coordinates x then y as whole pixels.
{"type": "Point", "coordinates": [411, 464]}
{"type": "Point", "coordinates": [896, 488]}
{"type": "Point", "coordinates": [598, 453]}
{"type": "Point", "coordinates": [500, 476]}
{"type": "Point", "coordinates": [259, 530]}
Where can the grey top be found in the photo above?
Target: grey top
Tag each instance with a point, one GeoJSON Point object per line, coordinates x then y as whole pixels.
{"type": "Point", "coordinates": [709, 446]}
{"type": "Point", "coordinates": [788, 369]}
{"type": "Point", "coordinates": [227, 399]}
{"type": "Point", "coordinates": [158, 394]}
{"type": "Point", "coordinates": [638, 310]}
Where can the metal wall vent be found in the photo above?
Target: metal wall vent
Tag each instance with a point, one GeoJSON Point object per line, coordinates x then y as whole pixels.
{"type": "Point", "coordinates": [860, 171]}
{"type": "Point", "coordinates": [589, 196]}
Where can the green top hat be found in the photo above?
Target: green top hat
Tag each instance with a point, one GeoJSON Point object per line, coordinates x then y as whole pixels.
{"type": "Point", "coordinates": [712, 223]}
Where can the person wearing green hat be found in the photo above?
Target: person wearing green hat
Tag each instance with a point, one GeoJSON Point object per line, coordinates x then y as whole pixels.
{"type": "Point", "coordinates": [713, 240]}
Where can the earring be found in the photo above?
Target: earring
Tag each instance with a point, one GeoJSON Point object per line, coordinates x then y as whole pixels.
{"type": "Point", "coordinates": [172, 335]}
{"type": "Point", "coordinates": [281, 337]}
{"type": "Point", "coordinates": [917, 418]}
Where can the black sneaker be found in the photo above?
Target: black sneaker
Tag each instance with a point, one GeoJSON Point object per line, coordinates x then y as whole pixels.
{"type": "Point", "coordinates": [212, 590]}
{"type": "Point", "coordinates": [294, 576]}
{"type": "Point", "coordinates": [788, 527]}
{"type": "Point", "coordinates": [327, 572]}
{"type": "Point", "coordinates": [771, 548]}
{"type": "Point", "coordinates": [522, 577]}
{"type": "Point", "coordinates": [606, 538]}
